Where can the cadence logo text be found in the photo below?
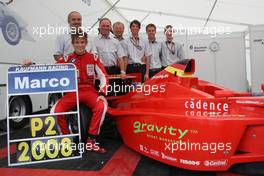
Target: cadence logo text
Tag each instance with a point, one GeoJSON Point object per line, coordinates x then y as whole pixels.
{"type": "Point", "coordinates": [206, 105]}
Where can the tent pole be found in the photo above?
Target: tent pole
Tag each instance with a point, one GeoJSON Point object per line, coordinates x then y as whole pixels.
{"type": "Point", "coordinates": [104, 14]}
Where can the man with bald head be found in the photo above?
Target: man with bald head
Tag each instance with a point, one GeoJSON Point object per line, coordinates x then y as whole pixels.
{"type": "Point", "coordinates": [63, 45]}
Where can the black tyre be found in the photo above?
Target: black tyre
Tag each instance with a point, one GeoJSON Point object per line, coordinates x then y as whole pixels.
{"type": "Point", "coordinates": [85, 119]}
{"type": "Point", "coordinates": [19, 106]}
{"type": "Point", "coordinates": [53, 98]}
{"type": "Point", "coordinates": [11, 30]}
{"type": "Point", "coordinates": [109, 129]}
{"type": "Point", "coordinates": [3, 125]}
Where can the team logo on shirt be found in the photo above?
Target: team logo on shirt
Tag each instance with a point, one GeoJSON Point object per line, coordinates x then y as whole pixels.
{"type": "Point", "coordinates": [73, 60]}
{"type": "Point", "coordinates": [90, 69]}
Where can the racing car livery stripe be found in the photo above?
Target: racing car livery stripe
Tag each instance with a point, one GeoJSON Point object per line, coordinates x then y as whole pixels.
{"type": "Point", "coordinates": [179, 72]}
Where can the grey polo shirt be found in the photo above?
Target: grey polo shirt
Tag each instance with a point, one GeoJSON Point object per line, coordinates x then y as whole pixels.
{"type": "Point", "coordinates": [155, 59]}
{"type": "Point", "coordinates": [136, 52]}
{"type": "Point", "coordinates": [171, 53]}
{"type": "Point", "coordinates": [108, 49]}
{"type": "Point", "coordinates": [63, 45]}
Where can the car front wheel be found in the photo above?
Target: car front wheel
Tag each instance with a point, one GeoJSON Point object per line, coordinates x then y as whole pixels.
{"type": "Point", "coordinates": [18, 106]}
{"type": "Point", "coordinates": [11, 30]}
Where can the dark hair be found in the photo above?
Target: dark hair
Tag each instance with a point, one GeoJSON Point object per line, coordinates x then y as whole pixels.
{"type": "Point", "coordinates": [107, 19]}
{"type": "Point", "coordinates": [135, 22]}
{"type": "Point", "coordinates": [79, 34]}
{"type": "Point", "coordinates": [167, 27]}
{"type": "Point", "coordinates": [151, 25]}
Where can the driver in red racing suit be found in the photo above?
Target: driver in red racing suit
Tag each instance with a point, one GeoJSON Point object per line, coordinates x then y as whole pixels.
{"type": "Point", "coordinates": [88, 66]}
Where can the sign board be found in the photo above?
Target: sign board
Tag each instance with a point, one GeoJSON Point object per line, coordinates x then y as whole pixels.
{"type": "Point", "coordinates": [42, 141]}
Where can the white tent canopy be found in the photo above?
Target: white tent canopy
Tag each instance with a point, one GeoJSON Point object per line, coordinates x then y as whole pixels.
{"type": "Point", "coordinates": [234, 15]}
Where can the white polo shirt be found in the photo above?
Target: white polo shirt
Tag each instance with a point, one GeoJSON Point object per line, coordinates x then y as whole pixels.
{"type": "Point", "coordinates": [136, 50]}
{"type": "Point", "coordinates": [64, 45]}
{"type": "Point", "coordinates": [109, 50]}
{"type": "Point", "coordinates": [155, 59]}
{"type": "Point", "coordinates": [123, 44]}
{"type": "Point", "coordinates": [171, 53]}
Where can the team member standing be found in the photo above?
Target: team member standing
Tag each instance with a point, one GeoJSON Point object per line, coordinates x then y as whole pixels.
{"type": "Point", "coordinates": [118, 29]}
{"type": "Point", "coordinates": [155, 47]}
{"type": "Point", "coordinates": [109, 49]}
{"type": "Point", "coordinates": [171, 51]}
{"type": "Point", "coordinates": [138, 52]}
{"type": "Point", "coordinates": [63, 45]}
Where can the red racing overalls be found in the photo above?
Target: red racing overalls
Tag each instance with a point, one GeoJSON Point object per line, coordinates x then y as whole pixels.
{"type": "Point", "coordinates": [88, 67]}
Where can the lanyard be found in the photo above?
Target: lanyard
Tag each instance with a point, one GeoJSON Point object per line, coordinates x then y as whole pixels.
{"type": "Point", "coordinates": [172, 48]}
{"type": "Point", "coordinates": [135, 43]}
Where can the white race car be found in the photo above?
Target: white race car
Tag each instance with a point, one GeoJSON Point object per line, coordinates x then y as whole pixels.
{"type": "Point", "coordinates": [11, 24]}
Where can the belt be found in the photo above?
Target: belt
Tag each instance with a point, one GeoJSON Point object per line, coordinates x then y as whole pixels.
{"type": "Point", "coordinates": [111, 66]}
{"type": "Point", "coordinates": [154, 69]}
{"type": "Point", "coordinates": [136, 65]}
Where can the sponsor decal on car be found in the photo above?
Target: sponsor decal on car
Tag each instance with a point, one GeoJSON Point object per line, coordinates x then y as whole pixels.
{"type": "Point", "coordinates": [204, 105]}
{"type": "Point", "coordinates": [143, 148]}
{"type": "Point", "coordinates": [160, 76]}
{"type": "Point", "coordinates": [166, 157]}
{"type": "Point", "coordinates": [190, 162]}
{"type": "Point", "coordinates": [154, 152]}
{"type": "Point", "coordinates": [163, 129]}
{"type": "Point", "coordinates": [215, 163]}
